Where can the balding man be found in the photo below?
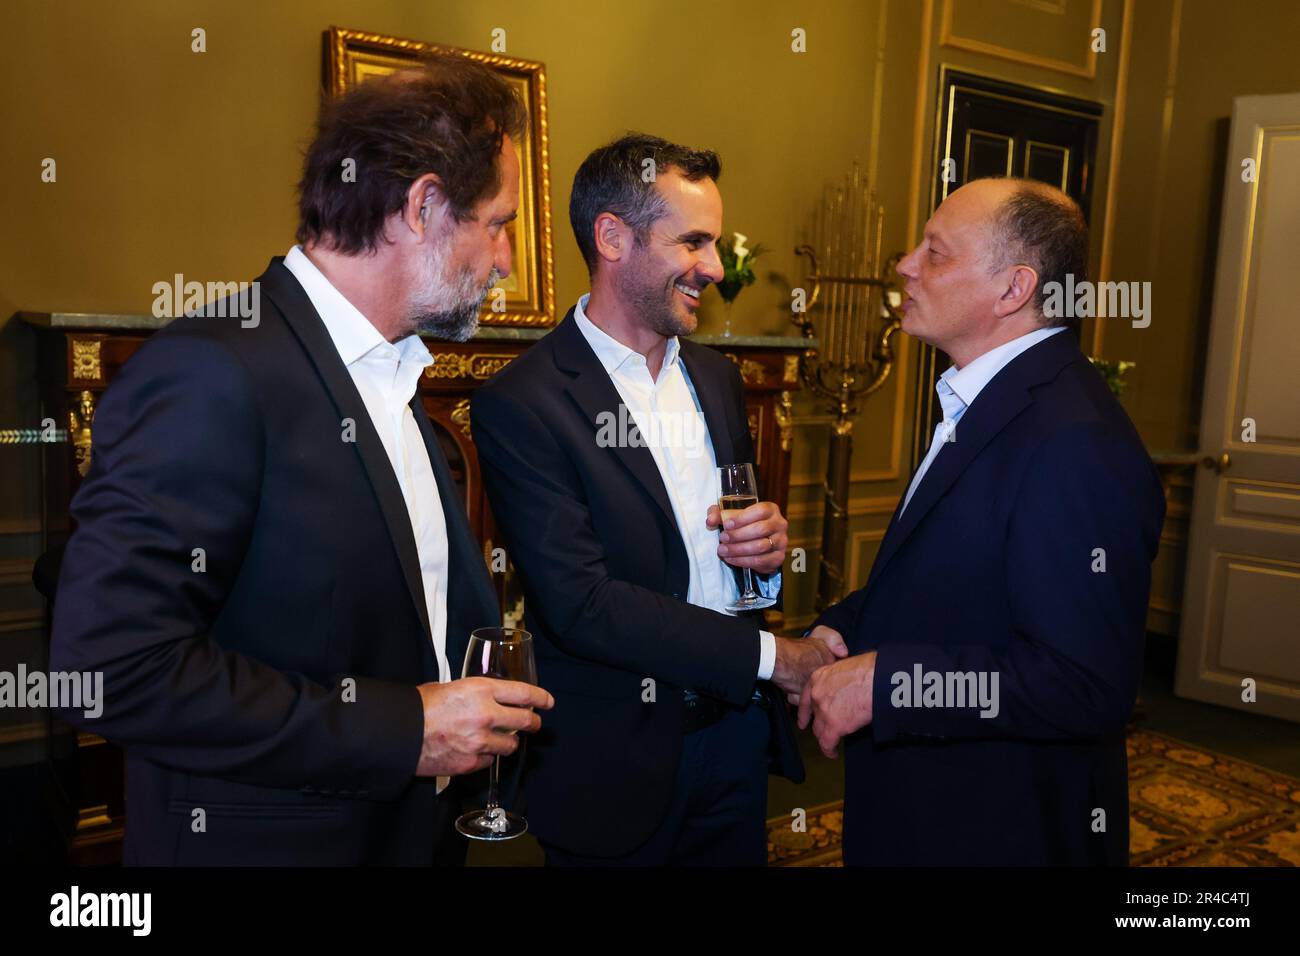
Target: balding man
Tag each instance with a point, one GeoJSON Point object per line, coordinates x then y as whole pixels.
{"type": "Point", "coordinates": [996, 649]}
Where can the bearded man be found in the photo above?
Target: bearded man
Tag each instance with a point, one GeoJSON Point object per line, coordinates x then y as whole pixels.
{"type": "Point", "coordinates": [272, 567]}
{"type": "Point", "coordinates": [671, 711]}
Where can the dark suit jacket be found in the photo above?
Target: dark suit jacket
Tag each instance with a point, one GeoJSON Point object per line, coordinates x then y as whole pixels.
{"type": "Point", "coordinates": [989, 569]}
{"type": "Point", "coordinates": [225, 687]}
{"type": "Point", "coordinates": [605, 577]}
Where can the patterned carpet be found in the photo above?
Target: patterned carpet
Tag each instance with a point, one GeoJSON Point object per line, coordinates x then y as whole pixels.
{"type": "Point", "coordinates": [1188, 807]}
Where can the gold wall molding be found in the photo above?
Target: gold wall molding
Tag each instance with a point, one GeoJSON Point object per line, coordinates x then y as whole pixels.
{"type": "Point", "coordinates": [1164, 607]}
{"type": "Point", "coordinates": [16, 572]}
{"type": "Point", "coordinates": [24, 619]}
{"type": "Point", "coordinates": [10, 526]}
{"type": "Point", "coordinates": [858, 508]}
{"type": "Point", "coordinates": [919, 124]}
{"type": "Point", "coordinates": [856, 477]}
{"type": "Point", "coordinates": [878, 93]}
{"type": "Point", "coordinates": [1088, 70]}
{"type": "Point", "coordinates": [1113, 161]}
{"type": "Point", "coordinates": [21, 733]}
{"type": "Point", "coordinates": [1166, 131]}
{"type": "Point", "coordinates": [854, 581]}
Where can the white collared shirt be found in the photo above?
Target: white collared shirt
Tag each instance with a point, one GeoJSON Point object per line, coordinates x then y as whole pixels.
{"type": "Point", "coordinates": [958, 387]}
{"type": "Point", "coordinates": [386, 375]}
{"type": "Point", "coordinates": [667, 414]}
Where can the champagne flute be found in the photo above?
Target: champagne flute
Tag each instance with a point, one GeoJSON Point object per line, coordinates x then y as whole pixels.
{"type": "Point", "coordinates": [737, 491]}
{"type": "Point", "coordinates": [505, 653]}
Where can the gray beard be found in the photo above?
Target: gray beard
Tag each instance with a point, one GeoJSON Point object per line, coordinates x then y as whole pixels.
{"type": "Point", "coordinates": [455, 325]}
{"type": "Point", "coordinates": [447, 306]}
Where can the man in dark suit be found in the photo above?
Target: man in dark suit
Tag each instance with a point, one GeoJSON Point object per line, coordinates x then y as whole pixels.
{"type": "Point", "coordinates": [271, 565]}
{"type": "Point", "coordinates": [997, 645]}
{"type": "Point", "coordinates": [599, 449]}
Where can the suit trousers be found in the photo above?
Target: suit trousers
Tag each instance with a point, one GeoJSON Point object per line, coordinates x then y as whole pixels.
{"type": "Point", "coordinates": [451, 847]}
{"type": "Point", "coordinates": [719, 809]}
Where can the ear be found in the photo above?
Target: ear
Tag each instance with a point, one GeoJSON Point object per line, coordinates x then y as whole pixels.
{"type": "Point", "coordinates": [1019, 291]}
{"type": "Point", "coordinates": [425, 207]}
{"type": "Point", "coordinates": [613, 237]}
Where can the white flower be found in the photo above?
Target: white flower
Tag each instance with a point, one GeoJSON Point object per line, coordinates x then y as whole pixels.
{"type": "Point", "coordinates": [740, 250]}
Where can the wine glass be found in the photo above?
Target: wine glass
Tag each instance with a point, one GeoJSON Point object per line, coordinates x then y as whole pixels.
{"type": "Point", "coordinates": [505, 653]}
{"type": "Point", "coordinates": [737, 491]}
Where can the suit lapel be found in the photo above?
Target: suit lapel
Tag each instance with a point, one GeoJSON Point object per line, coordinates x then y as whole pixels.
{"type": "Point", "coordinates": [708, 390]}
{"type": "Point", "coordinates": [594, 393]}
{"type": "Point", "coordinates": [283, 289]}
{"type": "Point", "coordinates": [1001, 400]}
{"type": "Point", "coordinates": [469, 591]}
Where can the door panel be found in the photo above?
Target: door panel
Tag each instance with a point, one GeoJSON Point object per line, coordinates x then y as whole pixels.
{"type": "Point", "coordinates": [1241, 605]}
{"type": "Point", "coordinates": [989, 127]}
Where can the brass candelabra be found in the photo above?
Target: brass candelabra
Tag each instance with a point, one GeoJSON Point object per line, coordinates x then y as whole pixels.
{"type": "Point", "coordinates": [855, 327]}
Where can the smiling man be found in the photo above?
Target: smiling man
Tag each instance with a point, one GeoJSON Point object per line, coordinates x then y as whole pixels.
{"type": "Point", "coordinates": [658, 750]}
{"type": "Point", "coordinates": [997, 645]}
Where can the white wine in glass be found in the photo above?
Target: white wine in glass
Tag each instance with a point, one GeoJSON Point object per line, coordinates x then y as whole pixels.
{"type": "Point", "coordinates": [737, 491]}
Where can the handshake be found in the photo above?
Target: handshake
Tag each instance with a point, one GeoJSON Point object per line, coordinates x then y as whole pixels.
{"type": "Point", "coordinates": [831, 689]}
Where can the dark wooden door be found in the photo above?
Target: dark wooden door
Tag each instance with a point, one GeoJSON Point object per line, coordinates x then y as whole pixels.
{"type": "Point", "coordinates": [989, 127]}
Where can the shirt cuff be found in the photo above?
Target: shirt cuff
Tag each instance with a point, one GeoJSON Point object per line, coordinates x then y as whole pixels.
{"type": "Point", "coordinates": [769, 586]}
{"type": "Point", "coordinates": [766, 654]}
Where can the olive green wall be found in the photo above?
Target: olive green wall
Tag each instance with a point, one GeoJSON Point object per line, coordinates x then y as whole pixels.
{"type": "Point", "coordinates": [174, 161]}
{"type": "Point", "coordinates": [171, 161]}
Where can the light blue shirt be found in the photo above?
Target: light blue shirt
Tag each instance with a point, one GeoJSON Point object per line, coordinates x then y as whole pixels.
{"type": "Point", "coordinates": [957, 389]}
{"type": "Point", "coordinates": [668, 416]}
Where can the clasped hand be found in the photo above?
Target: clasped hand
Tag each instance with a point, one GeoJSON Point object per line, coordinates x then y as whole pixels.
{"type": "Point", "coordinates": [837, 697]}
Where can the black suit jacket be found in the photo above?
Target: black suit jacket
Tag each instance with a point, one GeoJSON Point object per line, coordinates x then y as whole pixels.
{"type": "Point", "coordinates": [995, 567]}
{"type": "Point", "coordinates": [605, 576]}
{"type": "Point", "coordinates": [227, 687]}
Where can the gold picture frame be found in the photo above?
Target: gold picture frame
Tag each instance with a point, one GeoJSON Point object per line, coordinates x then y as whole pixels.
{"type": "Point", "coordinates": [351, 56]}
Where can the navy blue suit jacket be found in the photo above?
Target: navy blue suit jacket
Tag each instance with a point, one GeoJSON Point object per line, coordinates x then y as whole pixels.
{"type": "Point", "coordinates": [225, 686]}
{"type": "Point", "coordinates": [605, 577]}
{"type": "Point", "coordinates": [995, 566]}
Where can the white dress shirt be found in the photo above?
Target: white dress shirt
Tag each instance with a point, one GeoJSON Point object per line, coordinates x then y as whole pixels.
{"type": "Point", "coordinates": [667, 413]}
{"type": "Point", "coordinates": [386, 374]}
{"type": "Point", "coordinates": [957, 388]}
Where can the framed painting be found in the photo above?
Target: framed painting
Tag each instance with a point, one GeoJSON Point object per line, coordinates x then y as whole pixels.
{"type": "Point", "coordinates": [352, 56]}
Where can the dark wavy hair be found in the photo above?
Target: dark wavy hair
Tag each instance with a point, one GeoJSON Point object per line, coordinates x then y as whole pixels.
{"type": "Point", "coordinates": [447, 117]}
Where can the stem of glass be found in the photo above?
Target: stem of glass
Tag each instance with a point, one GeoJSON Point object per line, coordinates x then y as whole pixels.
{"type": "Point", "coordinates": [492, 787]}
